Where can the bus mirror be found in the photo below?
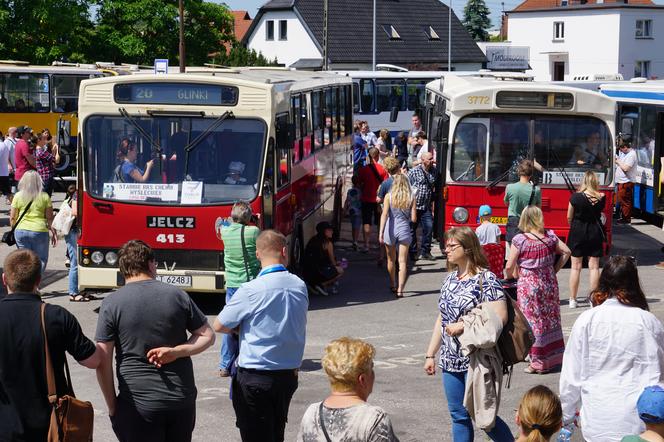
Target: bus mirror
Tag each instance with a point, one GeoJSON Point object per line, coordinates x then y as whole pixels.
{"type": "Point", "coordinates": [438, 126]}
{"type": "Point", "coordinates": [285, 132]}
{"type": "Point", "coordinates": [394, 113]}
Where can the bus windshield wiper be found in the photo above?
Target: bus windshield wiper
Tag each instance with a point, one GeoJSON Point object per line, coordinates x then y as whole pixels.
{"type": "Point", "coordinates": [466, 172]}
{"type": "Point", "coordinates": [154, 145]}
{"type": "Point", "coordinates": [500, 178]}
{"type": "Point", "coordinates": [563, 172]}
{"type": "Point", "coordinates": [196, 141]}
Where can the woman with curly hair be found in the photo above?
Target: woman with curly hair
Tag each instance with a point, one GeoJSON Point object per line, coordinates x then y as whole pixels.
{"type": "Point", "coordinates": [615, 350]}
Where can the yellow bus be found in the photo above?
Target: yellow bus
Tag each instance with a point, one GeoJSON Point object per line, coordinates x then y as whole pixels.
{"type": "Point", "coordinates": [44, 97]}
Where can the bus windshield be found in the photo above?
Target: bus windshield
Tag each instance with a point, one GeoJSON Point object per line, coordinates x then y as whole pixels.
{"type": "Point", "coordinates": [489, 147]}
{"type": "Point", "coordinates": [223, 166]}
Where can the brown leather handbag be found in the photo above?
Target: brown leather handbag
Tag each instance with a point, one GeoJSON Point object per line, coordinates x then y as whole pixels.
{"type": "Point", "coordinates": [72, 420]}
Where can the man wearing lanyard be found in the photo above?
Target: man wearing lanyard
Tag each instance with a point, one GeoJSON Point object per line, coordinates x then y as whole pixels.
{"type": "Point", "coordinates": [271, 315]}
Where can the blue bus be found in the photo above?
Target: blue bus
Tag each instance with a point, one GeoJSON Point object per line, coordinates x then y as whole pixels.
{"type": "Point", "coordinates": [640, 121]}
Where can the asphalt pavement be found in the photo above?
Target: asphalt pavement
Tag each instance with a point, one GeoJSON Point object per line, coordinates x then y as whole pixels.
{"type": "Point", "coordinates": [364, 308]}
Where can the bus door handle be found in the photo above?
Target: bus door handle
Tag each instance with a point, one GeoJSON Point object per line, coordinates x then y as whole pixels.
{"type": "Point", "coordinates": [103, 207]}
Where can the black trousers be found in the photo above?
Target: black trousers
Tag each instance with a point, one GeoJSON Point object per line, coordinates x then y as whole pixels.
{"type": "Point", "coordinates": [132, 425]}
{"type": "Point", "coordinates": [261, 399]}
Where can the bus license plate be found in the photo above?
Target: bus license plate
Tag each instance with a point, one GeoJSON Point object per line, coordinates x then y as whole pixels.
{"type": "Point", "coordinates": [176, 280]}
{"type": "Point", "coordinates": [499, 220]}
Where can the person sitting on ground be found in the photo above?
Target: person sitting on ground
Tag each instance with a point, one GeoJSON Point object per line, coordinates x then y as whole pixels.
{"type": "Point", "coordinates": [651, 411]}
{"type": "Point", "coordinates": [539, 416]}
{"type": "Point", "coordinates": [345, 415]}
{"type": "Point", "coordinates": [321, 269]}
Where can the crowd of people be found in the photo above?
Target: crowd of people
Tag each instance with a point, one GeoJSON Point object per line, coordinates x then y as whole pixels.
{"type": "Point", "coordinates": [611, 368]}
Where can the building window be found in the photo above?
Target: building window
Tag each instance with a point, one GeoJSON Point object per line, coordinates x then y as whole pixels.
{"type": "Point", "coordinates": [391, 32]}
{"type": "Point", "coordinates": [563, 3]}
{"type": "Point", "coordinates": [642, 68]}
{"type": "Point", "coordinates": [558, 30]}
{"type": "Point", "coordinates": [283, 30]}
{"type": "Point", "coordinates": [644, 29]}
{"type": "Point", "coordinates": [431, 33]}
{"type": "Point", "coordinates": [269, 30]}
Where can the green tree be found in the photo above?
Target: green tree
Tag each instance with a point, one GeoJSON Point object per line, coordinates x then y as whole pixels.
{"type": "Point", "coordinates": [476, 19]}
{"type": "Point", "coordinates": [241, 56]}
{"type": "Point", "coordinates": [138, 31]}
{"type": "Point", "coordinates": [41, 31]}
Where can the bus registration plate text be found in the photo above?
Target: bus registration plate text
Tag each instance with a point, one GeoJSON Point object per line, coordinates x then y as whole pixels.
{"type": "Point", "coordinates": [176, 280]}
{"type": "Point", "coordinates": [500, 220]}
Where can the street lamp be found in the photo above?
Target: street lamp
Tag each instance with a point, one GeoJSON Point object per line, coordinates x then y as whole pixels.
{"type": "Point", "coordinates": [182, 61]}
{"type": "Point", "coordinates": [373, 59]}
{"type": "Point", "coordinates": [449, 38]}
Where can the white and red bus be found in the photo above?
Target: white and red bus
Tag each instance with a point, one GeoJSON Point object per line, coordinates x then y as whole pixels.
{"type": "Point", "coordinates": [287, 131]}
{"type": "Point", "coordinates": [484, 126]}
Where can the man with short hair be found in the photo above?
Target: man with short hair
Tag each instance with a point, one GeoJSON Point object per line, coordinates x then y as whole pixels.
{"type": "Point", "coordinates": [626, 176]}
{"type": "Point", "coordinates": [24, 158]}
{"type": "Point", "coordinates": [157, 392]}
{"type": "Point", "coordinates": [271, 314]}
{"type": "Point", "coordinates": [416, 129]}
{"type": "Point", "coordinates": [22, 356]}
{"type": "Point", "coordinates": [423, 180]}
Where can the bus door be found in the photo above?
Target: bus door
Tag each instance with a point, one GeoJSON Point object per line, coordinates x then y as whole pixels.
{"type": "Point", "coordinates": [659, 166]}
{"type": "Point", "coordinates": [283, 199]}
{"type": "Point", "coordinates": [438, 124]}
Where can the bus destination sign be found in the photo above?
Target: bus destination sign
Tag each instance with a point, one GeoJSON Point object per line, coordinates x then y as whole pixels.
{"type": "Point", "coordinates": [176, 93]}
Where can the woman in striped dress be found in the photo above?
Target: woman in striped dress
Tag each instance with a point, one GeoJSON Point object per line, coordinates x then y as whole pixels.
{"type": "Point", "coordinates": [532, 260]}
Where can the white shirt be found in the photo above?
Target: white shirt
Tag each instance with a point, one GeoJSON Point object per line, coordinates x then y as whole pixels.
{"type": "Point", "coordinates": [4, 158]}
{"type": "Point", "coordinates": [370, 138]}
{"type": "Point", "coordinates": [628, 159]}
{"type": "Point", "coordinates": [613, 353]}
{"type": "Point", "coordinates": [11, 143]}
{"type": "Point", "coordinates": [488, 233]}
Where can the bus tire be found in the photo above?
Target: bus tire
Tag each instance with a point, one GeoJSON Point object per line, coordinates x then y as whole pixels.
{"type": "Point", "coordinates": [296, 252]}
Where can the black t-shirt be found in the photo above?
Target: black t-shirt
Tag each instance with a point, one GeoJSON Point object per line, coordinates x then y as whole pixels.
{"type": "Point", "coordinates": [22, 357]}
{"type": "Point", "coordinates": [138, 317]}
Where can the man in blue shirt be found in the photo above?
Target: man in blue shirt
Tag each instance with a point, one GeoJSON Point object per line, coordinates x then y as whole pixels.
{"type": "Point", "coordinates": [271, 315]}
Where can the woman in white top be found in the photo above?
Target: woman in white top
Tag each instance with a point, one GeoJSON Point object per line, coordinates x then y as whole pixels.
{"type": "Point", "coordinates": [615, 350]}
{"type": "Point", "coordinates": [345, 414]}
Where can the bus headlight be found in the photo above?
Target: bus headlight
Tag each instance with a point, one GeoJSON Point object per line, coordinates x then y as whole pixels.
{"type": "Point", "coordinates": [460, 215]}
{"type": "Point", "coordinates": [602, 218]}
{"type": "Point", "coordinates": [97, 257]}
{"type": "Point", "coordinates": [111, 258]}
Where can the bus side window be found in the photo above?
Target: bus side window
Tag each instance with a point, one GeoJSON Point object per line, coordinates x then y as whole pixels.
{"type": "Point", "coordinates": [356, 98]}
{"type": "Point", "coordinates": [297, 141]}
{"type": "Point", "coordinates": [349, 114]}
{"type": "Point", "coordinates": [367, 92]}
{"type": "Point", "coordinates": [283, 150]}
{"type": "Point", "coordinates": [337, 115]}
{"type": "Point", "coordinates": [305, 128]}
{"type": "Point", "coordinates": [317, 119]}
{"type": "Point", "coordinates": [329, 116]}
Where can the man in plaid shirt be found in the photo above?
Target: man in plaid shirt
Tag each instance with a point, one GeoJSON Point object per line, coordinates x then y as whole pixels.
{"type": "Point", "coordinates": [423, 180]}
{"type": "Point", "coordinates": [46, 161]}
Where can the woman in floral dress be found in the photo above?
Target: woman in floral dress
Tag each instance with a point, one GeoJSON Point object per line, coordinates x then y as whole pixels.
{"type": "Point", "coordinates": [532, 259]}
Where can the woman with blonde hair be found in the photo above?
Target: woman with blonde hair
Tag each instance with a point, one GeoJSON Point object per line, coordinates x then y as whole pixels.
{"type": "Point", "coordinates": [586, 233]}
{"type": "Point", "coordinates": [34, 208]}
{"type": "Point", "coordinates": [345, 415]}
{"type": "Point", "coordinates": [468, 285]}
{"type": "Point", "coordinates": [532, 259]}
{"type": "Point", "coordinates": [540, 415]}
{"type": "Point", "coordinates": [399, 211]}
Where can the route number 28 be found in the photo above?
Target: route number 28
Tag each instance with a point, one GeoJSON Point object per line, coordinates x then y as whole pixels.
{"type": "Point", "coordinates": [170, 238]}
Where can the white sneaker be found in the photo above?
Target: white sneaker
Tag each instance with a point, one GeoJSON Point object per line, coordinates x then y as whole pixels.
{"type": "Point", "coordinates": [572, 303]}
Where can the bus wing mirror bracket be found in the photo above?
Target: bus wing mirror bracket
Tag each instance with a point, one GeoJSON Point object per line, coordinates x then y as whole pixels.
{"type": "Point", "coordinates": [394, 113]}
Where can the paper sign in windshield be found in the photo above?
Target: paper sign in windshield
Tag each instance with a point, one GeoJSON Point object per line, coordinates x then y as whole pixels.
{"type": "Point", "coordinates": [555, 177]}
{"type": "Point", "coordinates": [141, 191]}
{"type": "Point", "coordinates": [192, 192]}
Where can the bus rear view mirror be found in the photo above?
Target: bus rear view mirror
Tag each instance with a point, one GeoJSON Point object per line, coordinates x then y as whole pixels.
{"type": "Point", "coordinates": [394, 113]}
{"type": "Point", "coordinates": [439, 128]}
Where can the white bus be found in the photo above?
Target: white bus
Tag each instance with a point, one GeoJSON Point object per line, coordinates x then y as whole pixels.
{"type": "Point", "coordinates": [483, 127]}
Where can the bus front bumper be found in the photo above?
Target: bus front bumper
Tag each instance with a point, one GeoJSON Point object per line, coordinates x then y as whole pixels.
{"type": "Point", "coordinates": [95, 278]}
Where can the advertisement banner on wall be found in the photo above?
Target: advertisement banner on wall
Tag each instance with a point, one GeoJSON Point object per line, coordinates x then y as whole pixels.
{"type": "Point", "coordinates": [508, 57]}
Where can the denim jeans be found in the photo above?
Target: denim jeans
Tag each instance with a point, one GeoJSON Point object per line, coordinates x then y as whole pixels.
{"type": "Point", "coordinates": [230, 345]}
{"type": "Point", "coordinates": [71, 239]}
{"type": "Point", "coordinates": [35, 241]}
{"type": "Point", "coordinates": [454, 385]}
{"type": "Point", "coordinates": [425, 218]}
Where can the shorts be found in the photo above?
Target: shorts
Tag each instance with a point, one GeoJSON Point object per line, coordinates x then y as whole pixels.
{"type": "Point", "coordinates": [356, 220]}
{"type": "Point", "coordinates": [5, 185]}
{"type": "Point", "coordinates": [370, 210]}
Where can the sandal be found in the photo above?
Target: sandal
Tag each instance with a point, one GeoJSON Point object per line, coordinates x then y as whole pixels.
{"type": "Point", "coordinates": [399, 295]}
{"type": "Point", "coordinates": [530, 370]}
{"type": "Point", "coordinates": [91, 297]}
{"type": "Point", "coordinates": [78, 298]}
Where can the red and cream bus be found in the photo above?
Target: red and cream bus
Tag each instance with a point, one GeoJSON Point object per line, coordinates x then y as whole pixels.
{"type": "Point", "coordinates": [275, 138]}
{"type": "Point", "coordinates": [484, 125]}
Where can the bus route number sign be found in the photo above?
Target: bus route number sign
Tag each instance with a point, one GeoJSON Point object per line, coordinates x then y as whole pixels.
{"type": "Point", "coordinates": [175, 93]}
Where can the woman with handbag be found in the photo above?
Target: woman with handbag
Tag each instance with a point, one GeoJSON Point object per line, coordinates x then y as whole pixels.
{"type": "Point", "coordinates": [31, 216]}
{"type": "Point", "coordinates": [532, 259]}
{"type": "Point", "coordinates": [586, 233]}
{"type": "Point", "coordinates": [241, 265]}
{"type": "Point", "coordinates": [468, 285]}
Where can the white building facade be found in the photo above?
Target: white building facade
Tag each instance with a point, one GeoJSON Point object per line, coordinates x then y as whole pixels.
{"type": "Point", "coordinates": [582, 40]}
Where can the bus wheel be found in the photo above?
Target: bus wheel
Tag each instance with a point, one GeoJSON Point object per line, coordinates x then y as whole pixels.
{"type": "Point", "coordinates": [297, 250]}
